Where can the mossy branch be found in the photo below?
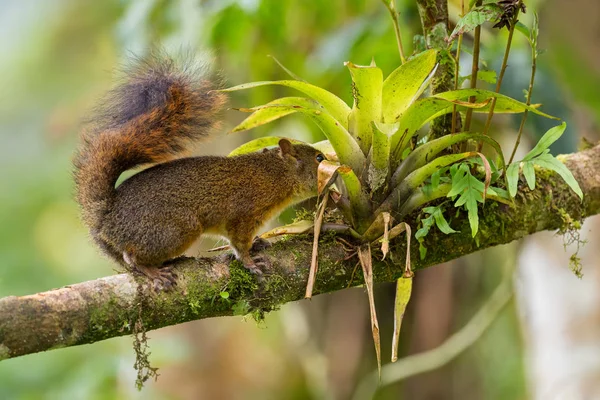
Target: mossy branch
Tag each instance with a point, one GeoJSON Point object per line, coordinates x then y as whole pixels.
{"type": "Point", "coordinates": [109, 307]}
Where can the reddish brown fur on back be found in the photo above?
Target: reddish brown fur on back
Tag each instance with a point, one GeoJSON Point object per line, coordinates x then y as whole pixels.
{"type": "Point", "coordinates": [160, 105]}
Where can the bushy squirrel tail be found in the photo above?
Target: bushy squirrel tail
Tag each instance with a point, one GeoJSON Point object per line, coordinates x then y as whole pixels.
{"type": "Point", "coordinates": [159, 106]}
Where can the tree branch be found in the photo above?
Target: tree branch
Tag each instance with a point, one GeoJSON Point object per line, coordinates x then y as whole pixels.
{"type": "Point", "coordinates": [108, 307]}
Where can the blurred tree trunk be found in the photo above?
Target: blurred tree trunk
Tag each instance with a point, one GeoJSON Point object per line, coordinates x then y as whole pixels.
{"type": "Point", "coordinates": [560, 316]}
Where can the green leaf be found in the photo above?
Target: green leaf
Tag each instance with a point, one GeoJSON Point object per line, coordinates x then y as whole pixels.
{"type": "Point", "coordinates": [474, 18]}
{"type": "Point", "coordinates": [366, 90]}
{"type": "Point", "coordinates": [273, 110]}
{"type": "Point", "coordinates": [435, 216]}
{"type": "Point", "coordinates": [324, 146]}
{"type": "Point", "coordinates": [469, 191]}
{"type": "Point", "coordinates": [549, 162]}
{"type": "Point", "coordinates": [404, 85]}
{"type": "Point", "coordinates": [224, 295]}
{"type": "Point", "coordinates": [504, 104]}
{"type": "Point", "coordinates": [380, 154]}
{"type": "Point", "coordinates": [427, 109]}
{"type": "Point", "coordinates": [435, 178]}
{"type": "Point", "coordinates": [529, 174]}
{"type": "Point", "coordinates": [488, 76]}
{"type": "Point", "coordinates": [524, 30]}
{"type": "Point", "coordinates": [551, 136]}
{"type": "Point", "coordinates": [418, 176]}
{"type": "Point", "coordinates": [345, 146]}
{"type": "Point", "coordinates": [426, 223]}
{"type": "Point", "coordinates": [359, 200]}
{"type": "Point", "coordinates": [259, 144]}
{"type": "Point", "coordinates": [428, 151]}
{"type": "Point", "coordinates": [422, 251]}
{"type": "Point", "coordinates": [334, 105]}
{"type": "Point", "coordinates": [441, 222]}
{"type": "Point", "coordinates": [498, 194]}
{"type": "Point", "coordinates": [512, 176]}
{"type": "Point", "coordinates": [290, 73]}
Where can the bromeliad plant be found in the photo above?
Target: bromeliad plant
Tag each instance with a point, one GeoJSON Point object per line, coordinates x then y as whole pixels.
{"type": "Point", "coordinates": [385, 163]}
{"type": "Point", "coordinates": [388, 169]}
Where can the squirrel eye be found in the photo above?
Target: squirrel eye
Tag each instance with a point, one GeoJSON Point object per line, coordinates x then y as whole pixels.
{"type": "Point", "coordinates": [320, 157]}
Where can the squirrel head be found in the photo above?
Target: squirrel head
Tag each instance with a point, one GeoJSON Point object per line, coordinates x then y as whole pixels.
{"type": "Point", "coordinates": [304, 160]}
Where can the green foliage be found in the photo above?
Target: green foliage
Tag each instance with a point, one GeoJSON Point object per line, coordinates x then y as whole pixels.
{"type": "Point", "coordinates": [477, 16]}
{"type": "Point", "coordinates": [436, 216]}
{"type": "Point", "coordinates": [540, 155]}
{"type": "Point", "coordinates": [467, 191]}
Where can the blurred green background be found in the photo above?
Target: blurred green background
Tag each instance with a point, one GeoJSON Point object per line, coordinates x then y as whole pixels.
{"type": "Point", "coordinates": [58, 57]}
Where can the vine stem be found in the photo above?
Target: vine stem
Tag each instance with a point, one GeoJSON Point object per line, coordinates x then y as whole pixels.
{"type": "Point", "coordinates": [528, 102]}
{"type": "Point", "coordinates": [511, 32]}
{"type": "Point", "coordinates": [391, 6]}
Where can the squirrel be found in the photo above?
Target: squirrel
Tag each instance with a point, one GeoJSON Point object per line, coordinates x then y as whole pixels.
{"type": "Point", "coordinates": [152, 217]}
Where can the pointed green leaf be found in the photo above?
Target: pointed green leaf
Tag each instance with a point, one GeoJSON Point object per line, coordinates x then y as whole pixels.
{"type": "Point", "coordinates": [359, 200]}
{"type": "Point", "coordinates": [380, 154]}
{"type": "Point", "coordinates": [344, 144]}
{"type": "Point", "coordinates": [469, 191]}
{"type": "Point", "coordinates": [474, 18]}
{"type": "Point", "coordinates": [408, 185]}
{"type": "Point", "coordinates": [259, 144]}
{"type": "Point", "coordinates": [290, 73]}
{"type": "Point", "coordinates": [273, 110]}
{"type": "Point", "coordinates": [549, 162]}
{"type": "Point", "coordinates": [425, 110]}
{"type": "Point", "coordinates": [334, 105]}
{"type": "Point", "coordinates": [520, 27]}
{"type": "Point", "coordinates": [428, 151]}
{"type": "Point", "coordinates": [441, 222]}
{"type": "Point", "coordinates": [529, 174]}
{"type": "Point", "coordinates": [512, 175]}
{"type": "Point", "coordinates": [504, 104]}
{"type": "Point", "coordinates": [551, 136]}
{"type": "Point", "coordinates": [324, 146]}
{"type": "Point", "coordinates": [403, 86]}
{"type": "Point", "coordinates": [366, 91]}
{"type": "Point", "coordinates": [488, 76]}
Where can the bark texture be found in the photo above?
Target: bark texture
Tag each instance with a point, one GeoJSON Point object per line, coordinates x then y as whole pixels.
{"type": "Point", "coordinates": [109, 307]}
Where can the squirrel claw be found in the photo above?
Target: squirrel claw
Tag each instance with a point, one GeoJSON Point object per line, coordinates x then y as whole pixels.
{"type": "Point", "coordinates": [162, 278]}
{"type": "Point", "coordinates": [257, 266]}
{"type": "Point", "coordinates": [259, 244]}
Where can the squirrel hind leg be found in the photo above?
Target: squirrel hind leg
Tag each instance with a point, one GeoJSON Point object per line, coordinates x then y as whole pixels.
{"type": "Point", "coordinates": [162, 277]}
{"type": "Point", "coordinates": [255, 264]}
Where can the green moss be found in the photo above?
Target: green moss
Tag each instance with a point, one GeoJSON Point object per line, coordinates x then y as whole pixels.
{"type": "Point", "coordinates": [571, 235]}
{"type": "Point", "coordinates": [104, 317]}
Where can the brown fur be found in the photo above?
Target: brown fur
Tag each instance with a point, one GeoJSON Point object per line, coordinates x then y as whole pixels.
{"type": "Point", "coordinates": [158, 213]}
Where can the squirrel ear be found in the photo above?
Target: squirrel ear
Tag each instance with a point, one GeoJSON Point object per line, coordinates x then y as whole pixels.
{"type": "Point", "coordinates": [286, 147]}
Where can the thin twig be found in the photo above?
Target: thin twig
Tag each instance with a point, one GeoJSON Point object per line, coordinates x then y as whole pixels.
{"type": "Point", "coordinates": [474, 70]}
{"type": "Point", "coordinates": [457, 70]}
{"type": "Point", "coordinates": [511, 31]}
{"type": "Point", "coordinates": [391, 6]}
{"type": "Point", "coordinates": [528, 102]}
